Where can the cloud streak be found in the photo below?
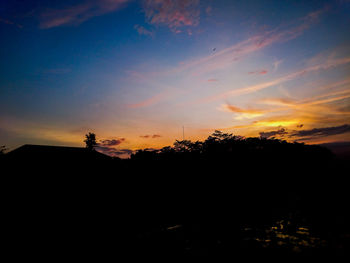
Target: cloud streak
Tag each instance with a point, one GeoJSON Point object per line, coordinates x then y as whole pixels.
{"type": "Point", "coordinates": [322, 132]}
{"type": "Point", "coordinates": [113, 142]}
{"type": "Point", "coordinates": [79, 13]}
{"type": "Point", "coordinates": [154, 136]}
{"type": "Point", "coordinates": [243, 113]}
{"type": "Point", "coordinates": [279, 132]}
{"type": "Point", "coordinates": [286, 78]}
{"type": "Point", "coordinates": [259, 72]}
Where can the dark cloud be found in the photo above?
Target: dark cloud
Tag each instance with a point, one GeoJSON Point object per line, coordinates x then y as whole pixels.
{"type": "Point", "coordinates": [270, 134]}
{"type": "Point", "coordinates": [113, 142]}
{"type": "Point", "coordinates": [154, 136]}
{"type": "Point", "coordinates": [321, 132]}
{"type": "Point", "coordinates": [114, 152]}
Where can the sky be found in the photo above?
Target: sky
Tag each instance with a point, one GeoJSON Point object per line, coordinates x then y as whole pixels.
{"type": "Point", "coordinates": [144, 73]}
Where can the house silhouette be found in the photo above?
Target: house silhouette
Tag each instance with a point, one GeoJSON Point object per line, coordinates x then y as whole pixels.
{"type": "Point", "coordinates": [48, 153]}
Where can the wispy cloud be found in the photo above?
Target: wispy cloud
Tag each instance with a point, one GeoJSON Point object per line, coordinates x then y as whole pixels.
{"type": "Point", "coordinates": [79, 13]}
{"type": "Point", "coordinates": [224, 58]}
{"type": "Point", "coordinates": [276, 64]}
{"type": "Point", "coordinates": [307, 134]}
{"type": "Point", "coordinates": [9, 22]}
{"type": "Point", "coordinates": [172, 13]}
{"type": "Point", "coordinates": [258, 72]}
{"type": "Point", "coordinates": [122, 153]}
{"type": "Point", "coordinates": [321, 132]}
{"type": "Point", "coordinates": [280, 132]}
{"type": "Point", "coordinates": [286, 78]}
{"type": "Point", "coordinates": [113, 142]}
{"type": "Point", "coordinates": [242, 113]}
{"type": "Point", "coordinates": [150, 101]}
{"type": "Point", "coordinates": [143, 31]}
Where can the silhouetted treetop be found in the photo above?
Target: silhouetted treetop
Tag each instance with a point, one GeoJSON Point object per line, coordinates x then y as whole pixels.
{"type": "Point", "coordinates": [90, 141]}
{"type": "Point", "coordinates": [223, 146]}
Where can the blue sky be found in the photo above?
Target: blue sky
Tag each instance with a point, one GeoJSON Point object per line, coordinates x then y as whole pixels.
{"type": "Point", "coordinates": [136, 72]}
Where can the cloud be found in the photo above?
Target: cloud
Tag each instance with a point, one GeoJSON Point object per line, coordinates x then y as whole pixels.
{"type": "Point", "coordinates": [212, 80]}
{"type": "Point", "coordinates": [154, 136]}
{"type": "Point", "coordinates": [79, 13]}
{"type": "Point", "coordinates": [123, 153]}
{"type": "Point", "coordinates": [270, 134]}
{"type": "Point", "coordinates": [276, 64]}
{"type": "Point", "coordinates": [150, 101]}
{"type": "Point", "coordinates": [259, 72]}
{"type": "Point", "coordinates": [9, 22]}
{"type": "Point", "coordinates": [143, 31]}
{"type": "Point", "coordinates": [108, 147]}
{"type": "Point", "coordinates": [254, 88]}
{"type": "Point", "coordinates": [172, 13]}
{"type": "Point", "coordinates": [226, 57]}
{"type": "Point", "coordinates": [309, 134]}
{"type": "Point", "coordinates": [242, 113]}
{"type": "Point", "coordinates": [113, 142]}
{"type": "Point", "coordinates": [321, 132]}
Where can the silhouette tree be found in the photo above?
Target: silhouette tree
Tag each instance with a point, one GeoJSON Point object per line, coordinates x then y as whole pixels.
{"type": "Point", "coordinates": [90, 141]}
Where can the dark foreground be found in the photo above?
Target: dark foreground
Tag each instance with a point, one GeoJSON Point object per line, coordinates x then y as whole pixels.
{"type": "Point", "coordinates": [177, 207]}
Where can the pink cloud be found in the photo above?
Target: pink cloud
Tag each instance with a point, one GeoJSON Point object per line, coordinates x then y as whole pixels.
{"type": "Point", "coordinates": [79, 13]}
{"type": "Point", "coordinates": [212, 80]}
{"type": "Point", "coordinates": [148, 102]}
{"type": "Point", "coordinates": [172, 13]}
{"type": "Point", "coordinates": [259, 72]}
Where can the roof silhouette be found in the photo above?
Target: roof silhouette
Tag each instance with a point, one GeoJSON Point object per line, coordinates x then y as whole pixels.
{"type": "Point", "coordinates": [54, 152]}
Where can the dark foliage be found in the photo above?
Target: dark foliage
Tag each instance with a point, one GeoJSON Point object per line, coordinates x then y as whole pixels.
{"type": "Point", "coordinates": [90, 141]}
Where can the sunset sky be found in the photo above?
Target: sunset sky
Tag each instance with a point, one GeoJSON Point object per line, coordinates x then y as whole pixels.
{"type": "Point", "coordinates": [135, 72]}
